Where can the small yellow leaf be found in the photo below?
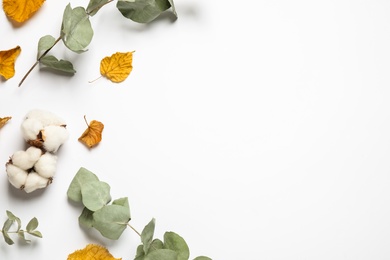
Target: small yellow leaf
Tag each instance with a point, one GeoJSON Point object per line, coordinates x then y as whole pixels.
{"type": "Point", "coordinates": [7, 62]}
{"type": "Point", "coordinates": [21, 10]}
{"type": "Point", "coordinates": [92, 252]}
{"type": "Point", "coordinates": [4, 120]}
{"type": "Point", "coordinates": [93, 134]}
{"type": "Point", "coordinates": [117, 67]}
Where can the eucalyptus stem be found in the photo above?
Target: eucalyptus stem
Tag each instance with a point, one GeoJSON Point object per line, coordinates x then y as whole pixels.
{"type": "Point", "coordinates": [138, 233]}
{"type": "Point", "coordinates": [37, 62]}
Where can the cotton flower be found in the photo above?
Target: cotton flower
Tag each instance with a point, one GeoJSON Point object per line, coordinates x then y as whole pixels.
{"type": "Point", "coordinates": [46, 165]}
{"type": "Point", "coordinates": [26, 159]}
{"type": "Point", "coordinates": [16, 176]}
{"type": "Point", "coordinates": [54, 136]}
{"type": "Point", "coordinates": [45, 117]}
{"type": "Point", "coordinates": [34, 181]}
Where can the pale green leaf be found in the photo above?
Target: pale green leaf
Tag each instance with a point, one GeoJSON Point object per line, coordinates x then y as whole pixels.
{"type": "Point", "coordinates": [76, 30]}
{"type": "Point", "coordinates": [82, 177]}
{"type": "Point", "coordinates": [162, 254]}
{"type": "Point", "coordinates": [142, 11]}
{"type": "Point", "coordinates": [140, 254]}
{"type": "Point", "coordinates": [86, 218]}
{"type": "Point", "coordinates": [111, 220]}
{"type": "Point", "coordinates": [22, 237]}
{"type": "Point", "coordinates": [156, 244]}
{"type": "Point", "coordinates": [202, 258]}
{"type": "Point", "coordinates": [11, 216]}
{"type": "Point", "coordinates": [7, 224]}
{"type": "Point", "coordinates": [173, 7]}
{"type": "Point", "coordinates": [36, 233]}
{"type": "Point", "coordinates": [7, 238]}
{"type": "Point", "coordinates": [147, 235]}
{"type": "Point", "coordinates": [32, 225]}
{"type": "Point", "coordinates": [58, 65]}
{"type": "Point", "coordinates": [122, 202]}
{"type": "Point", "coordinates": [176, 243]}
{"type": "Point", "coordinates": [94, 6]}
{"type": "Point", "coordinates": [95, 195]}
{"type": "Point", "coordinates": [45, 43]}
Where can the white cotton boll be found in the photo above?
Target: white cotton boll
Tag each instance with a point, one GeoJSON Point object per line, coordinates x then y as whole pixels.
{"type": "Point", "coordinates": [54, 137]}
{"type": "Point", "coordinates": [46, 165]}
{"type": "Point", "coordinates": [45, 117]}
{"type": "Point", "coordinates": [26, 159]}
{"type": "Point", "coordinates": [34, 153]}
{"type": "Point", "coordinates": [34, 181]}
{"type": "Point", "coordinates": [31, 128]}
{"type": "Point", "coordinates": [16, 176]}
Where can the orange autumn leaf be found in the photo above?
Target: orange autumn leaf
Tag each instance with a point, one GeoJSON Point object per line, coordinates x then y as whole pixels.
{"type": "Point", "coordinates": [92, 252]}
{"type": "Point", "coordinates": [117, 67]}
{"type": "Point", "coordinates": [93, 134]}
{"type": "Point", "coordinates": [7, 62]}
{"type": "Point", "coordinates": [21, 10]}
{"type": "Point", "coordinates": [4, 120]}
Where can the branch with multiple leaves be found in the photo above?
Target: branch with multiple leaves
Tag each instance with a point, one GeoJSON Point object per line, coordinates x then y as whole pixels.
{"type": "Point", "coordinates": [77, 32]}
{"type": "Point", "coordinates": [111, 219]}
{"type": "Point", "coordinates": [31, 228]}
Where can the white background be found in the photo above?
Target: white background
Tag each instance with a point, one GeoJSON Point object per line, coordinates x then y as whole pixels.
{"type": "Point", "coordinates": [254, 129]}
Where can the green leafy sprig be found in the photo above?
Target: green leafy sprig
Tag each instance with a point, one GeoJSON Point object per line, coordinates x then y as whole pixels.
{"type": "Point", "coordinates": [112, 219]}
{"type": "Point", "coordinates": [31, 228]}
{"type": "Point", "coordinates": [76, 31]}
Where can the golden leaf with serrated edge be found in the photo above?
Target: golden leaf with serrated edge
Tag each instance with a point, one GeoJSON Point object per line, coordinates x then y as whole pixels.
{"type": "Point", "coordinates": [93, 134]}
{"type": "Point", "coordinates": [7, 62]}
{"type": "Point", "coordinates": [117, 67]}
{"type": "Point", "coordinates": [4, 120]}
{"type": "Point", "coordinates": [92, 252]}
{"type": "Point", "coordinates": [21, 10]}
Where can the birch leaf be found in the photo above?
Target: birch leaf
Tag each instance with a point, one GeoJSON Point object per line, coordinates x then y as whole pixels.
{"type": "Point", "coordinates": [93, 134]}
{"type": "Point", "coordinates": [92, 252]}
{"type": "Point", "coordinates": [21, 10]}
{"type": "Point", "coordinates": [117, 67]}
{"type": "Point", "coordinates": [7, 62]}
{"type": "Point", "coordinates": [4, 120]}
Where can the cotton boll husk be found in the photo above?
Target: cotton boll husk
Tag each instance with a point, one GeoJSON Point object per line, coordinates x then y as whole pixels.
{"type": "Point", "coordinates": [34, 181]}
{"type": "Point", "coordinates": [45, 117]}
{"type": "Point", "coordinates": [54, 137]}
{"type": "Point", "coordinates": [34, 153]}
{"type": "Point", "coordinates": [46, 165]}
{"type": "Point", "coordinates": [16, 176]}
{"type": "Point", "coordinates": [31, 128]}
{"type": "Point", "coordinates": [26, 159]}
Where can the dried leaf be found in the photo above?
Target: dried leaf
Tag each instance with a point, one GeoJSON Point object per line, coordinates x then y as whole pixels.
{"type": "Point", "coordinates": [4, 120]}
{"type": "Point", "coordinates": [92, 252]}
{"type": "Point", "coordinates": [7, 62]}
{"type": "Point", "coordinates": [117, 67]}
{"type": "Point", "coordinates": [93, 134]}
{"type": "Point", "coordinates": [21, 10]}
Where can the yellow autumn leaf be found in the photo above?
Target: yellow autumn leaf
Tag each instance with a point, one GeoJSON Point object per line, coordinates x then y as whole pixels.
{"type": "Point", "coordinates": [92, 252]}
{"type": "Point", "coordinates": [21, 10]}
{"type": "Point", "coordinates": [117, 67]}
{"type": "Point", "coordinates": [93, 134]}
{"type": "Point", "coordinates": [7, 62]}
{"type": "Point", "coordinates": [4, 120]}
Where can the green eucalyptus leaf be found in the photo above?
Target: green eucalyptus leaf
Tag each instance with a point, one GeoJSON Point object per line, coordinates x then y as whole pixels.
{"type": "Point", "coordinates": [202, 258]}
{"type": "Point", "coordinates": [32, 225]}
{"type": "Point", "coordinates": [11, 216]}
{"type": "Point", "coordinates": [156, 244]}
{"type": "Point", "coordinates": [173, 7]}
{"type": "Point", "coordinates": [142, 11]}
{"type": "Point", "coordinates": [86, 218]}
{"type": "Point", "coordinates": [94, 6]}
{"type": "Point", "coordinates": [95, 195]}
{"type": "Point", "coordinates": [36, 233]}
{"type": "Point", "coordinates": [45, 43]}
{"type": "Point", "coordinates": [22, 237]}
{"type": "Point", "coordinates": [7, 224]}
{"type": "Point", "coordinates": [176, 243]}
{"type": "Point", "coordinates": [7, 238]}
{"type": "Point", "coordinates": [82, 177]}
{"type": "Point", "coordinates": [162, 254]}
{"type": "Point", "coordinates": [140, 254]}
{"type": "Point", "coordinates": [147, 235]}
{"type": "Point", "coordinates": [122, 202]}
{"type": "Point", "coordinates": [59, 65]}
{"type": "Point", "coordinates": [76, 30]}
{"type": "Point", "coordinates": [111, 220]}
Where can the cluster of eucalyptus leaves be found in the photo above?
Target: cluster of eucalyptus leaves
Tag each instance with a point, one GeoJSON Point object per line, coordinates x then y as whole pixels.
{"type": "Point", "coordinates": [111, 219]}
{"type": "Point", "coordinates": [31, 228]}
{"type": "Point", "coordinates": [77, 33]}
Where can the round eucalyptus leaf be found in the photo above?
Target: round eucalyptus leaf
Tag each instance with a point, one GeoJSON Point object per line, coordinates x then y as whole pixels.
{"type": "Point", "coordinates": [95, 195]}
{"type": "Point", "coordinates": [82, 177]}
{"type": "Point", "coordinates": [142, 11]}
{"type": "Point", "coordinates": [176, 243]}
{"type": "Point", "coordinates": [162, 254]}
{"type": "Point", "coordinates": [111, 220]}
